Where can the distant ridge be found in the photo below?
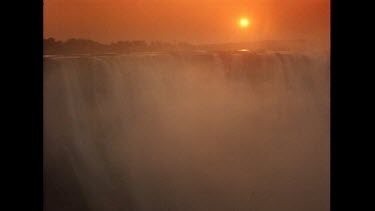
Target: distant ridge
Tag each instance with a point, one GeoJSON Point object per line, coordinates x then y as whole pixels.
{"type": "Point", "coordinates": [86, 46]}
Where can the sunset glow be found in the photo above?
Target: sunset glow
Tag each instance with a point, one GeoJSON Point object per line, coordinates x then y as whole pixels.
{"type": "Point", "coordinates": [244, 22]}
{"type": "Point", "coordinates": [189, 21]}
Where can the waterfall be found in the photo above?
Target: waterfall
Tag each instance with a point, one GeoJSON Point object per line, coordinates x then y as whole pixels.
{"type": "Point", "coordinates": [187, 131]}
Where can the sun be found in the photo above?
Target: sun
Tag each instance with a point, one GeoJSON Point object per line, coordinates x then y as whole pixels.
{"type": "Point", "coordinates": [244, 22]}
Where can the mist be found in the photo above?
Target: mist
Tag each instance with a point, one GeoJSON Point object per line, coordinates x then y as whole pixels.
{"type": "Point", "coordinates": [194, 130]}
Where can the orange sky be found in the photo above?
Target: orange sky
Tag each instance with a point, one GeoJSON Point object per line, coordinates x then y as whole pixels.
{"type": "Point", "coordinates": [196, 21]}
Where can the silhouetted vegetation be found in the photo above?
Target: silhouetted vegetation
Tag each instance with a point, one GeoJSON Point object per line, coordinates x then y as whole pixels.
{"type": "Point", "coordinates": [85, 46]}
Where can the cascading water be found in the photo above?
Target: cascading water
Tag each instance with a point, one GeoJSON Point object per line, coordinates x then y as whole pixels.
{"type": "Point", "coordinates": [187, 131]}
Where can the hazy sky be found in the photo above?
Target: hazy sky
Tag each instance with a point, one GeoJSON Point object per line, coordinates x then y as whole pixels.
{"type": "Point", "coordinates": [196, 21]}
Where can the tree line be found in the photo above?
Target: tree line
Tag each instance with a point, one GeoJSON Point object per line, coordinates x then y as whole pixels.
{"type": "Point", "coordinates": [86, 46]}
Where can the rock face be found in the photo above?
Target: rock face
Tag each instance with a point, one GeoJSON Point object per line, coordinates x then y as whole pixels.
{"type": "Point", "coordinates": [187, 131]}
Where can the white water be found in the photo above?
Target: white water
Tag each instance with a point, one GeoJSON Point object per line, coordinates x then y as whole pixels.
{"type": "Point", "coordinates": [187, 131]}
